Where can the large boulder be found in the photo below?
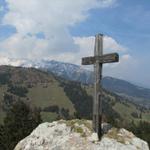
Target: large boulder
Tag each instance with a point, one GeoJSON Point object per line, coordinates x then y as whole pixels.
{"type": "Point", "coordinates": [77, 135]}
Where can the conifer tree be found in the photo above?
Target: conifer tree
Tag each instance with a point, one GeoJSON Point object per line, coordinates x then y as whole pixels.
{"type": "Point", "coordinates": [19, 122]}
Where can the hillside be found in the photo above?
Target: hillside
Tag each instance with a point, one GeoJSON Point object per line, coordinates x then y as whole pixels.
{"type": "Point", "coordinates": [123, 88]}
{"type": "Point", "coordinates": [59, 98]}
{"type": "Point", "coordinates": [72, 72]}
{"type": "Point", "coordinates": [33, 86]}
{"type": "Point", "coordinates": [137, 94]}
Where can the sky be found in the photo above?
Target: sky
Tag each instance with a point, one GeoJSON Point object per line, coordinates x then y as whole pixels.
{"type": "Point", "coordinates": [65, 30]}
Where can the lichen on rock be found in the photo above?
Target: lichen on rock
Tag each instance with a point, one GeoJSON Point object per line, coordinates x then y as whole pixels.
{"type": "Point", "coordinates": [78, 135]}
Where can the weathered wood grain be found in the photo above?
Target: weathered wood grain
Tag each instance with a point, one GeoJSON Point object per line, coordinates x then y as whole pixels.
{"type": "Point", "coordinates": [107, 58]}
{"type": "Point", "coordinates": [97, 106]}
{"type": "Point", "coordinates": [98, 60]}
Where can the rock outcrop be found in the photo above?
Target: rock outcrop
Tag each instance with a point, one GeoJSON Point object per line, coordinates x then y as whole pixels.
{"type": "Point", "coordinates": [77, 135]}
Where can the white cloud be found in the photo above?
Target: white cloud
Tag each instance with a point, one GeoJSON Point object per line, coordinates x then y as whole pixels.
{"type": "Point", "coordinates": [32, 49]}
{"type": "Point", "coordinates": [8, 61]}
{"type": "Point", "coordinates": [53, 19]}
{"type": "Point", "coordinates": [111, 44]}
{"type": "Point", "coordinates": [126, 66]}
{"type": "Point", "coordinates": [18, 46]}
{"type": "Point", "coordinates": [86, 46]}
{"type": "Point", "coordinates": [48, 14]}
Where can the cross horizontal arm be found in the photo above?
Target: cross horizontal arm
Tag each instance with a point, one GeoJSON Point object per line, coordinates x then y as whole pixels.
{"type": "Point", "coordinates": [107, 58]}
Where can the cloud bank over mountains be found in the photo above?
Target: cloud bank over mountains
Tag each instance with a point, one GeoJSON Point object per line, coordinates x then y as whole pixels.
{"type": "Point", "coordinates": [42, 29]}
{"type": "Point", "coordinates": [43, 32]}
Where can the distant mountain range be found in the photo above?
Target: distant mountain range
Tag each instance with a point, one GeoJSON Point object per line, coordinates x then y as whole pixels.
{"type": "Point", "coordinates": [65, 70]}
{"type": "Point", "coordinates": [73, 72]}
{"type": "Point", "coordinates": [123, 88]}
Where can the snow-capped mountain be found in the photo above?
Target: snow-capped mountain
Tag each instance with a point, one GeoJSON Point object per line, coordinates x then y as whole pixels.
{"type": "Point", "coordinates": [65, 70]}
{"type": "Point", "coordinates": [69, 71]}
{"type": "Point", "coordinates": [77, 73]}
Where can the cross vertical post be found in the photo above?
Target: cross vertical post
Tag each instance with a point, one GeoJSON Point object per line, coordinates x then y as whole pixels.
{"type": "Point", "coordinates": [97, 105]}
{"type": "Point", "coordinates": [98, 60]}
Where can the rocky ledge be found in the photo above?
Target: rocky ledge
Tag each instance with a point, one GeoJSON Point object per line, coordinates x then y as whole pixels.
{"type": "Point", "coordinates": [77, 135]}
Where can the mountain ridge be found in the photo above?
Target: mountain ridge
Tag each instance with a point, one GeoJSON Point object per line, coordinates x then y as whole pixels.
{"type": "Point", "coordinates": [46, 63]}
{"type": "Point", "coordinates": [74, 72]}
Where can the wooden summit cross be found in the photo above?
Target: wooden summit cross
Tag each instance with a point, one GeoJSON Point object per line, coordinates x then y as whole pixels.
{"type": "Point", "coordinates": [98, 61]}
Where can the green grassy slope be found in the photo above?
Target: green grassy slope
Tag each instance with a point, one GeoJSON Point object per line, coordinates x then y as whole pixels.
{"type": "Point", "coordinates": [53, 94]}
{"type": "Point", "coordinates": [124, 107]}
{"type": "Point", "coordinates": [44, 91]}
